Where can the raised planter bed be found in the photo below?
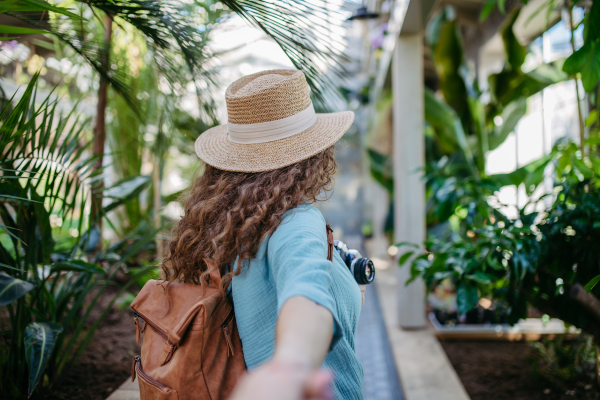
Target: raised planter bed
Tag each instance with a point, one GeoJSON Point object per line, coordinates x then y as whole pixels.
{"type": "Point", "coordinates": [527, 329]}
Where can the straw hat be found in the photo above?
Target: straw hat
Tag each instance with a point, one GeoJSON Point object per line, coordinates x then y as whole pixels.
{"type": "Point", "coordinates": [271, 124]}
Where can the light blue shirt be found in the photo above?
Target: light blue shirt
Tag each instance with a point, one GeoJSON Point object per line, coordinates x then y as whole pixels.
{"type": "Point", "coordinates": [293, 262]}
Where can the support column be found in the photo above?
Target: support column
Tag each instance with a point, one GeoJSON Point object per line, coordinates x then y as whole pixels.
{"type": "Point", "coordinates": [409, 155]}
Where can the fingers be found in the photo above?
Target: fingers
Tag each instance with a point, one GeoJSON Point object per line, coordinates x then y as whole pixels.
{"type": "Point", "coordinates": [318, 386]}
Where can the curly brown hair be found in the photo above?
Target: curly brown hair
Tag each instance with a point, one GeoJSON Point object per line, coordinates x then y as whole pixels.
{"type": "Point", "coordinates": [228, 214]}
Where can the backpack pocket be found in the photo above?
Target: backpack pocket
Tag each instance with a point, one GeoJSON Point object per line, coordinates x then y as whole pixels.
{"type": "Point", "coordinates": [151, 389]}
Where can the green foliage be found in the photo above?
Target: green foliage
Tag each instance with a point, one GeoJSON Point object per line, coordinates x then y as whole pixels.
{"type": "Point", "coordinates": [533, 259]}
{"type": "Point", "coordinates": [564, 365]}
{"type": "Point", "coordinates": [50, 285]}
{"type": "Point", "coordinates": [586, 60]}
{"type": "Point", "coordinates": [381, 169]}
{"type": "Point", "coordinates": [481, 262]}
{"type": "Point", "coordinates": [461, 123]}
{"type": "Point", "coordinates": [170, 30]}
{"type": "Point", "coordinates": [531, 175]}
{"type": "Point", "coordinates": [454, 192]}
{"type": "Point", "coordinates": [39, 343]}
{"type": "Point", "coordinates": [12, 288]}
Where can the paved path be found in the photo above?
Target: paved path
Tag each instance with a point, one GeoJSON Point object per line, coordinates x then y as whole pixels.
{"type": "Point", "coordinates": [375, 354]}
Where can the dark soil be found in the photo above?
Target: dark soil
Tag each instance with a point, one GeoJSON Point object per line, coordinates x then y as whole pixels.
{"type": "Point", "coordinates": [499, 370]}
{"type": "Point", "coordinates": [105, 363]}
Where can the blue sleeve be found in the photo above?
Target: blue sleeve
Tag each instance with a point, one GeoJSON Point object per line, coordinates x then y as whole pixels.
{"type": "Point", "coordinates": [297, 253]}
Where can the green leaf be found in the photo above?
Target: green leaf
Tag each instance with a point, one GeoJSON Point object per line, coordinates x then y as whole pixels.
{"type": "Point", "coordinates": [9, 267]}
{"type": "Point", "coordinates": [466, 297]}
{"type": "Point", "coordinates": [515, 52]}
{"type": "Point", "coordinates": [444, 119]}
{"type": "Point", "coordinates": [574, 63]}
{"type": "Point", "coordinates": [478, 115]}
{"type": "Point", "coordinates": [43, 5]}
{"type": "Point", "coordinates": [590, 71]}
{"type": "Point", "coordinates": [404, 257]}
{"type": "Point", "coordinates": [487, 9]}
{"type": "Point", "coordinates": [128, 188]}
{"type": "Point", "coordinates": [381, 169]}
{"type": "Point", "coordinates": [77, 265]}
{"type": "Point", "coordinates": [16, 30]}
{"type": "Point", "coordinates": [481, 277]}
{"type": "Point", "coordinates": [449, 64]}
{"type": "Point", "coordinates": [409, 244]}
{"type": "Point", "coordinates": [12, 288]}
{"type": "Point", "coordinates": [501, 6]}
{"type": "Point", "coordinates": [511, 115]}
{"type": "Point", "coordinates": [39, 342]}
{"type": "Point", "coordinates": [524, 173]}
{"type": "Point", "coordinates": [590, 285]}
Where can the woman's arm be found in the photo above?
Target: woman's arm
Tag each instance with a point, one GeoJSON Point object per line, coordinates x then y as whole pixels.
{"type": "Point", "coordinates": [304, 332]}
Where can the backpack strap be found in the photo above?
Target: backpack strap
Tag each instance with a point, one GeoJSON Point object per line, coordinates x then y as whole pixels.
{"type": "Point", "coordinates": [329, 242]}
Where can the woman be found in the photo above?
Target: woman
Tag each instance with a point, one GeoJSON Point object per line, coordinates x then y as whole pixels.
{"type": "Point", "coordinates": [251, 213]}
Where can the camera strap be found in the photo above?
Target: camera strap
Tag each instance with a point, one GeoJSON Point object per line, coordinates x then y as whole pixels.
{"type": "Point", "coordinates": [329, 242]}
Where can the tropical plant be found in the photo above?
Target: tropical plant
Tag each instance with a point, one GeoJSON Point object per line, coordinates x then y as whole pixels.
{"type": "Point", "coordinates": [584, 63]}
{"type": "Point", "coordinates": [463, 123]}
{"type": "Point", "coordinates": [481, 262]}
{"type": "Point", "coordinates": [461, 129]}
{"type": "Point", "coordinates": [52, 276]}
{"type": "Point", "coordinates": [176, 35]}
{"type": "Point", "coordinates": [541, 260]}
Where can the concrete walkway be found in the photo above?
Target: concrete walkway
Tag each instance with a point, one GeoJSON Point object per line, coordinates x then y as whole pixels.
{"type": "Point", "coordinates": [381, 381]}
{"type": "Point", "coordinates": [424, 368]}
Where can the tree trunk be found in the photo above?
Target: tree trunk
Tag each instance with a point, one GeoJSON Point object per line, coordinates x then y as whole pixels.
{"type": "Point", "coordinates": [156, 206]}
{"type": "Point", "coordinates": [100, 127]}
{"type": "Point", "coordinates": [587, 300]}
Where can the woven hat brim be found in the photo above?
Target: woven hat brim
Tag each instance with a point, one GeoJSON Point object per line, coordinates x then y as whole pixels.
{"type": "Point", "coordinates": [214, 148]}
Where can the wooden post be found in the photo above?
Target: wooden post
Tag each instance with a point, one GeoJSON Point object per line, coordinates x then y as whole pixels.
{"type": "Point", "coordinates": [409, 156]}
{"type": "Point", "coordinates": [100, 127]}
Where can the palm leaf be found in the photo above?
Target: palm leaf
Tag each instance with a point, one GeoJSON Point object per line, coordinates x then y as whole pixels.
{"type": "Point", "coordinates": [303, 30]}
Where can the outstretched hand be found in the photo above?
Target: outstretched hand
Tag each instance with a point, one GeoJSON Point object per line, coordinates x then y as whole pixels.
{"type": "Point", "coordinates": [278, 380]}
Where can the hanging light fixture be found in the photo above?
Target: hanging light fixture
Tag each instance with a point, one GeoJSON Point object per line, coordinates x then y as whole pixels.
{"type": "Point", "coordinates": [362, 13]}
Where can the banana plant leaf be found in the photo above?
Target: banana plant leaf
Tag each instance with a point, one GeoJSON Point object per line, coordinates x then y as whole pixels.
{"type": "Point", "coordinates": [586, 60]}
{"type": "Point", "coordinates": [512, 83]}
{"type": "Point", "coordinates": [531, 174]}
{"type": "Point", "coordinates": [482, 146]}
{"type": "Point", "coordinates": [515, 52]}
{"type": "Point", "coordinates": [449, 64]}
{"type": "Point", "coordinates": [12, 288]}
{"type": "Point", "coordinates": [447, 125]}
{"type": "Point", "coordinates": [511, 115]}
{"type": "Point", "coordinates": [39, 341]}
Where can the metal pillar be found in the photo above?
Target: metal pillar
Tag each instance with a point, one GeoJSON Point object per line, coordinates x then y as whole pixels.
{"type": "Point", "coordinates": [409, 155]}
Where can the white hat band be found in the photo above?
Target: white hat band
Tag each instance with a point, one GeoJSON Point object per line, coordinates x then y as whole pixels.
{"type": "Point", "coordinates": [272, 130]}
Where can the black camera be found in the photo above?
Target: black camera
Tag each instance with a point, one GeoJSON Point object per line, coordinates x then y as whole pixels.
{"type": "Point", "coordinates": [361, 268]}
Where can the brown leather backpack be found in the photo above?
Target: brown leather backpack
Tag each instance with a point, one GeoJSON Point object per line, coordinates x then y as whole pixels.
{"type": "Point", "coordinates": [191, 347]}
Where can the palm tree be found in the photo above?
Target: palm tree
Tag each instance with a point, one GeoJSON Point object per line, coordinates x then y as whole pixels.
{"type": "Point", "coordinates": [301, 29]}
